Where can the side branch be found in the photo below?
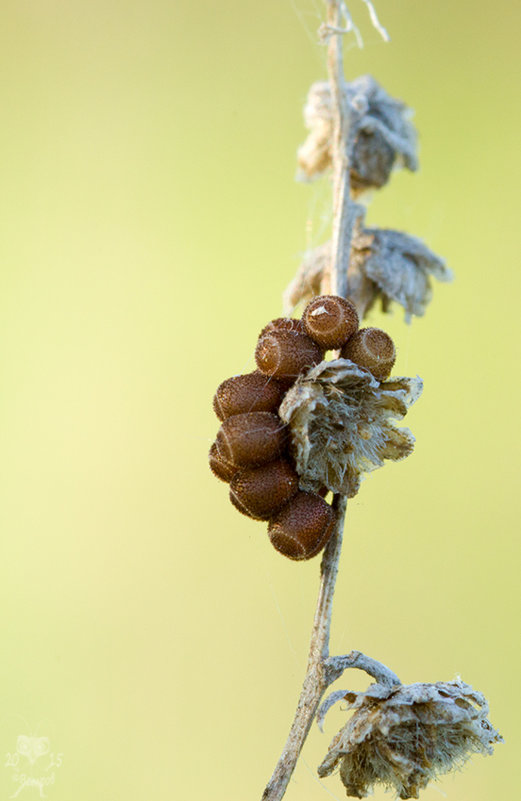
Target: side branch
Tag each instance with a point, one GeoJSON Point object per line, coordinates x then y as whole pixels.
{"type": "Point", "coordinates": [335, 666]}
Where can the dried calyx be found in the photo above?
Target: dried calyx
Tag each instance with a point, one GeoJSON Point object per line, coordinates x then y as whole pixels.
{"type": "Point", "coordinates": [402, 737]}
{"type": "Point", "coordinates": [381, 133]}
{"type": "Point", "coordinates": [341, 424]}
{"type": "Point", "coordinates": [391, 267]}
{"type": "Point", "coordinates": [384, 265]}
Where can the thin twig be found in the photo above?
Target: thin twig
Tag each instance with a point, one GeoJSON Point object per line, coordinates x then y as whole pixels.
{"type": "Point", "coordinates": [318, 676]}
{"type": "Point", "coordinates": [343, 218]}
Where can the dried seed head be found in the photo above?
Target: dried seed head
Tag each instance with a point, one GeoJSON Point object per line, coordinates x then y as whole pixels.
{"type": "Point", "coordinates": [260, 492]}
{"type": "Point", "coordinates": [330, 320]}
{"type": "Point", "coordinates": [341, 422]}
{"type": "Point", "coordinates": [284, 354]}
{"type": "Point", "coordinates": [251, 439]}
{"type": "Point", "coordinates": [219, 466]}
{"type": "Point", "coordinates": [253, 392]}
{"type": "Point", "coordinates": [399, 268]}
{"type": "Point", "coordinates": [402, 737]}
{"type": "Point", "coordinates": [288, 324]}
{"type": "Point", "coordinates": [373, 349]}
{"type": "Point", "coordinates": [372, 162]}
{"type": "Point", "coordinates": [302, 528]}
{"type": "Point", "coordinates": [382, 135]}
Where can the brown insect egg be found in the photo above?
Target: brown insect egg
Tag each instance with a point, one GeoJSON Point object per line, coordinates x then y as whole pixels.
{"type": "Point", "coordinates": [330, 320]}
{"type": "Point", "coordinates": [251, 439]}
{"type": "Point", "coordinates": [253, 392]}
{"type": "Point", "coordinates": [219, 466]}
{"type": "Point", "coordinates": [373, 349]}
{"type": "Point", "coordinates": [260, 492]}
{"type": "Point", "coordinates": [284, 354]}
{"type": "Point", "coordinates": [289, 324]}
{"type": "Point", "coordinates": [285, 382]}
{"type": "Point", "coordinates": [302, 528]}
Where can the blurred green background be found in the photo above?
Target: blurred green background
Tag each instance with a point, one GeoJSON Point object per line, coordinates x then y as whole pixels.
{"type": "Point", "coordinates": [149, 222]}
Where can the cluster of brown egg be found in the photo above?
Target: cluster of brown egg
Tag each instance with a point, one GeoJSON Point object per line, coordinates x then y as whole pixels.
{"type": "Point", "coordinates": [251, 448]}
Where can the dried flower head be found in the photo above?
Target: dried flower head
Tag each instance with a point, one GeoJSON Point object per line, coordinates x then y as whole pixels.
{"type": "Point", "coordinates": [403, 736]}
{"type": "Point", "coordinates": [340, 420]}
{"type": "Point", "coordinates": [390, 266]}
{"type": "Point", "coordinates": [382, 135]}
{"type": "Point", "coordinates": [400, 267]}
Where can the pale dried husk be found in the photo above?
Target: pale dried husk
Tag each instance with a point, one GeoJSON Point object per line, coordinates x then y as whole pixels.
{"type": "Point", "coordinates": [341, 424]}
{"type": "Point", "coordinates": [404, 736]}
{"type": "Point", "coordinates": [400, 267]}
{"type": "Point", "coordinates": [394, 268]}
{"type": "Point", "coordinates": [381, 134]}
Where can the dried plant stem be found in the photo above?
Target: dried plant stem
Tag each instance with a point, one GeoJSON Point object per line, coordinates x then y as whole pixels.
{"type": "Point", "coordinates": [344, 211]}
{"type": "Point", "coordinates": [344, 280]}
{"type": "Point", "coordinates": [320, 674]}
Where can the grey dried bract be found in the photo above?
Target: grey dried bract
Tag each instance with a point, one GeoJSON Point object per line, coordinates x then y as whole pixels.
{"type": "Point", "coordinates": [381, 135]}
{"type": "Point", "coordinates": [404, 736]}
{"type": "Point", "coordinates": [341, 424]}
{"type": "Point", "coordinates": [400, 267]}
{"type": "Point", "coordinates": [393, 266]}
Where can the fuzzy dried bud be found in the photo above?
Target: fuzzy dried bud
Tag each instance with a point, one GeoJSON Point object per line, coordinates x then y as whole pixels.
{"type": "Point", "coordinates": [402, 737]}
{"type": "Point", "coordinates": [381, 134]}
{"type": "Point", "coordinates": [303, 527]}
{"type": "Point", "coordinates": [330, 320]}
{"type": "Point", "coordinates": [252, 392]}
{"type": "Point", "coordinates": [341, 424]}
{"type": "Point", "coordinates": [399, 267]}
{"type": "Point", "coordinates": [373, 349]}
{"type": "Point", "coordinates": [284, 354]}
{"type": "Point", "coordinates": [385, 265]}
{"type": "Point", "coordinates": [260, 492]}
{"type": "Point", "coordinates": [251, 439]}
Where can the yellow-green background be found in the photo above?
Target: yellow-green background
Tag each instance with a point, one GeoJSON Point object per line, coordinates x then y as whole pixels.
{"type": "Point", "coordinates": [149, 221]}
